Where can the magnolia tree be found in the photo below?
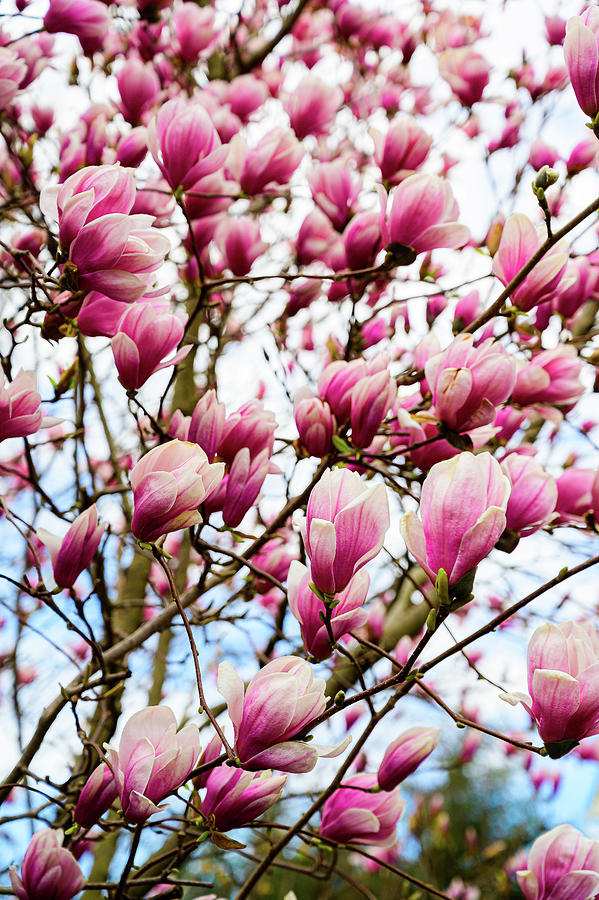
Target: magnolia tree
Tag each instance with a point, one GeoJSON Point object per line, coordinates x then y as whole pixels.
{"type": "Point", "coordinates": [298, 448]}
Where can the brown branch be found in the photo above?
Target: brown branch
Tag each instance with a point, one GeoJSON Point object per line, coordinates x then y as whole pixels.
{"type": "Point", "coordinates": [260, 55]}
{"type": "Point", "coordinates": [467, 723]}
{"type": "Point", "coordinates": [194, 650]}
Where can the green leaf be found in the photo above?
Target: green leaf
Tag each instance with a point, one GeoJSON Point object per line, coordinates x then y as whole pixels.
{"type": "Point", "coordinates": [442, 587]}
{"type": "Point", "coordinates": [341, 445]}
{"type": "Point", "coordinates": [431, 620]}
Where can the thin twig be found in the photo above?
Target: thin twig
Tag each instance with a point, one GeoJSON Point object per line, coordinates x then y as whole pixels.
{"type": "Point", "coordinates": [194, 650]}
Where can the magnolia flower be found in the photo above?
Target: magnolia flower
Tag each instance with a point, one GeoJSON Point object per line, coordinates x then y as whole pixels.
{"type": "Point", "coordinates": [278, 704]}
{"type": "Point", "coordinates": [74, 552]}
{"type": "Point", "coordinates": [48, 872]}
{"type": "Point", "coordinates": [462, 514]}
{"type": "Point", "coordinates": [563, 684]}
{"type": "Point", "coordinates": [562, 864]}
{"type": "Point", "coordinates": [351, 816]}
{"type": "Point", "coordinates": [168, 484]}
{"type": "Point", "coordinates": [153, 759]}
{"type": "Point", "coordinates": [345, 525]}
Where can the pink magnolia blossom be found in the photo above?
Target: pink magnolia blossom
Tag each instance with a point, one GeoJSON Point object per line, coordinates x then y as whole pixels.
{"type": "Point", "coordinates": [279, 703]}
{"type": "Point", "coordinates": [234, 797]}
{"type": "Point", "coordinates": [466, 310]}
{"type": "Point", "coordinates": [178, 427]}
{"type": "Point", "coordinates": [462, 514]}
{"type": "Point", "coordinates": [519, 242]}
{"type": "Point", "coordinates": [466, 72]}
{"type": "Point", "coordinates": [562, 863]}
{"type": "Point", "coordinates": [575, 495]}
{"type": "Point", "coordinates": [184, 143]}
{"type": "Point", "coordinates": [510, 135]}
{"type": "Point", "coordinates": [317, 240]}
{"type": "Point", "coordinates": [116, 255]}
{"type": "Point", "coordinates": [153, 759]}
{"type": "Point", "coordinates": [97, 796]}
{"type": "Point", "coordinates": [302, 293]}
{"type": "Point", "coordinates": [100, 315]}
{"type": "Point", "coordinates": [242, 483]}
{"type": "Point", "coordinates": [12, 73]}
{"type": "Point", "coordinates": [152, 5]}
{"type": "Point", "coordinates": [48, 870]}
{"type": "Point", "coordinates": [381, 31]}
{"type": "Point", "coordinates": [371, 399]}
{"type": "Point", "coordinates": [168, 484]}
{"type": "Point", "coordinates": [227, 124]}
{"type": "Point", "coordinates": [507, 422]}
{"type": "Point", "coordinates": [203, 230]}
{"type": "Point", "coordinates": [581, 52]}
{"type": "Point", "coordinates": [563, 684]}
{"type": "Point", "coordinates": [207, 423]}
{"type": "Point", "coordinates": [533, 495]}
{"type": "Point", "coordinates": [246, 94]}
{"type": "Point", "coordinates": [132, 148]}
{"type": "Point", "coordinates": [274, 558]}
{"type": "Point", "coordinates": [89, 20]}
{"type": "Point", "coordinates": [376, 330]}
{"type": "Point", "coordinates": [435, 305]}
{"type": "Point", "coordinates": [90, 193]}
{"type": "Point", "coordinates": [352, 816]}
{"type": "Point", "coordinates": [312, 106]}
{"type": "Point", "coordinates": [211, 752]}
{"type": "Point", "coordinates": [150, 38]}
{"type": "Point", "coordinates": [336, 385]}
{"type": "Point", "coordinates": [36, 52]}
{"type": "Point", "coordinates": [315, 422]}
{"type": "Point", "coordinates": [139, 86]}
{"type": "Point", "coordinates": [555, 30]}
{"type": "Point", "coordinates": [250, 426]}
{"type": "Point", "coordinates": [346, 615]}
{"type": "Point", "coordinates": [595, 497]}
{"type": "Point", "coordinates": [335, 190]}
{"type": "Point", "coordinates": [74, 552]}
{"type": "Point", "coordinates": [345, 525]}
{"type": "Point", "coordinates": [405, 754]}
{"type": "Point", "coordinates": [429, 346]}
{"type": "Point", "coordinates": [582, 155]}
{"type": "Point", "coordinates": [407, 430]}
{"type": "Point", "coordinates": [20, 406]}
{"type": "Point", "coordinates": [583, 276]}
{"type": "Point", "coordinates": [424, 214]}
{"type": "Point", "coordinates": [272, 162]}
{"type": "Point", "coordinates": [402, 150]}
{"type": "Point", "coordinates": [238, 239]}
{"type": "Point", "coordinates": [349, 17]}
{"type": "Point", "coordinates": [468, 382]}
{"type": "Point", "coordinates": [146, 334]}
{"type": "Point", "coordinates": [362, 240]}
{"type": "Point", "coordinates": [209, 195]}
{"type": "Point", "coordinates": [552, 376]}
{"type": "Point", "coordinates": [541, 154]}
{"type": "Point", "coordinates": [555, 79]}
{"type": "Point", "coordinates": [31, 241]}
{"type": "Point", "coordinates": [194, 30]}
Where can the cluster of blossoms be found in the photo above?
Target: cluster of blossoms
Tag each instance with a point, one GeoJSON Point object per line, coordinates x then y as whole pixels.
{"type": "Point", "coordinates": [221, 255]}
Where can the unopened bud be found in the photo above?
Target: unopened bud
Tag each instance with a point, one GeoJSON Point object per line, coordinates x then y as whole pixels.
{"type": "Point", "coordinates": [545, 178]}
